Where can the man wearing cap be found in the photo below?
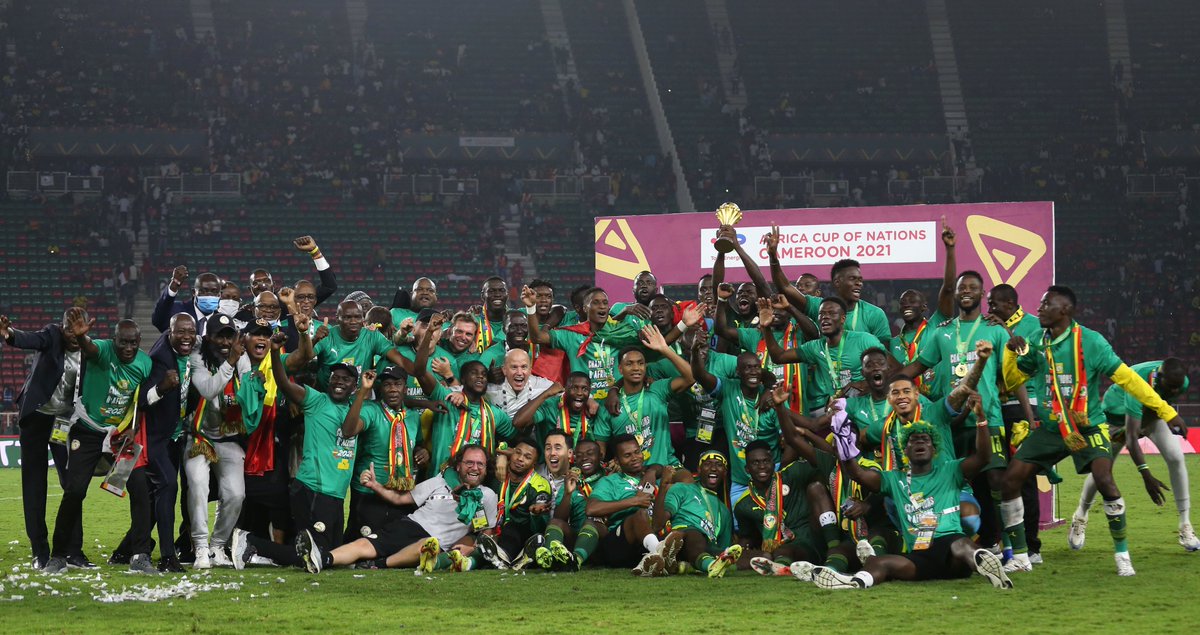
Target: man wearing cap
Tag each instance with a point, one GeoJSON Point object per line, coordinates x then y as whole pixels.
{"type": "Point", "coordinates": [228, 372]}
{"type": "Point", "coordinates": [387, 446]}
{"type": "Point", "coordinates": [318, 492]}
{"type": "Point", "coordinates": [699, 521]}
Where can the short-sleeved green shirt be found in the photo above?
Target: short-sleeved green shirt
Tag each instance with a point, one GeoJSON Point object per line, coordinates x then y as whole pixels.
{"type": "Point", "coordinates": [694, 507]}
{"type": "Point", "coordinates": [360, 353]}
{"type": "Point", "coordinates": [744, 424]}
{"type": "Point", "coordinates": [326, 466]}
{"type": "Point", "coordinates": [616, 487]}
{"type": "Point", "coordinates": [110, 386]}
{"type": "Point", "coordinates": [931, 412]}
{"type": "Point", "coordinates": [864, 318]}
{"type": "Point", "coordinates": [1099, 360]}
{"type": "Point", "coordinates": [444, 430]}
{"type": "Point", "coordinates": [901, 342]}
{"type": "Point", "coordinates": [751, 507]}
{"type": "Point", "coordinates": [688, 405]}
{"type": "Point", "coordinates": [598, 359]}
{"type": "Point", "coordinates": [375, 443]}
{"type": "Point", "coordinates": [643, 415]}
{"type": "Point", "coordinates": [934, 493]}
{"type": "Point", "coordinates": [953, 347]}
{"type": "Point", "coordinates": [550, 416]}
{"type": "Point", "coordinates": [846, 357]}
{"type": "Point", "coordinates": [414, 386]}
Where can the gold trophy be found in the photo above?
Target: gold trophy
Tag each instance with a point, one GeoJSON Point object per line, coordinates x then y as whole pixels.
{"type": "Point", "coordinates": [728, 214]}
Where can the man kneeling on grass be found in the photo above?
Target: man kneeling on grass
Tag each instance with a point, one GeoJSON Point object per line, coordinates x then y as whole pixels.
{"type": "Point", "coordinates": [927, 502]}
{"type": "Point", "coordinates": [452, 509]}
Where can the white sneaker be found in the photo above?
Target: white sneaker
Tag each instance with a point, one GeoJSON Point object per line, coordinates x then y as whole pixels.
{"type": "Point", "coordinates": [802, 571]}
{"type": "Point", "coordinates": [863, 550]}
{"type": "Point", "coordinates": [1035, 558]}
{"type": "Point", "coordinates": [220, 558]}
{"type": "Point", "coordinates": [1076, 535]}
{"type": "Point", "coordinates": [1019, 563]}
{"type": "Point", "coordinates": [826, 578]}
{"type": "Point", "coordinates": [1124, 565]}
{"type": "Point", "coordinates": [1188, 539]}
{"type": "Point", "coordinates": [202, 561]}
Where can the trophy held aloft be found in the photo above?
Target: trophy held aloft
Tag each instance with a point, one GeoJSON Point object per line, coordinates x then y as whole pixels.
{"type": "Point", "coordinates": [728, 215]}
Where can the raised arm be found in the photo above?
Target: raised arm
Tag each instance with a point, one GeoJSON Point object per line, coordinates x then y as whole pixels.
{"type": "Point", "coordinates": [707, 380]}
{"type": "Point", "coordinates": [353, 423]}
{"type": "Point", "coordinates": [328, 284]}
{"type": "Point", "coordinates": [945, 302]}
{"type": "Point", "coordinates": [425, 346]}
{"type": "Point", "coordinates": [809, 328]}
{"type": "Point", "coordinates": [958, 396]}
{"type": "Point", "coordinates": [536, 334]}
{"type": "Point", "coordinates": [524, 417]}
{"type": "Point", "coordinates": [778, 355]}
{"type": "Point", "coordinates": [306, 352]}
{"type": "Point", "coordinates": [293, 391]}
{"type": "Point", "coordinates": [794, 296]}
{"type": "Point", "coordinates": [973, 464]}
{"type": "Point", "coordinates": [654, 341]}
{"type": "Point", "coordinates": [752, 268]}
{"type": "Point", "coordinates": [79, 328]}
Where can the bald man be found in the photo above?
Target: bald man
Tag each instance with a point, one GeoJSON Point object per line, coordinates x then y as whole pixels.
{"type": "Point", "coordinates": [520, 385]}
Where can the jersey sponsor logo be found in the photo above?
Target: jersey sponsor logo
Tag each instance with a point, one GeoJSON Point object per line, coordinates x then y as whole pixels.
{"type": "Point", "coordinates": [1008, 252]}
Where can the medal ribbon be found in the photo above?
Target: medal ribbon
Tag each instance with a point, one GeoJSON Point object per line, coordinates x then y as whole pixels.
{"type": "Point", "coordinates": [1068, 417]}
{"type": "Point", "coordinates": [565, 418]}
{"type": "Point", "coordinates": [462, 435]}
{"type": "Point", "coordinates": [910, 351]}
{"type": "Point", "coordinates": [399, 462]}
{"type": "Point", "coordinates": [485, 336]}
{"type": "Point", "coordinates": [959, 344]}
{"type": "Point", "coordinates": [775, 532]}
{"type": "Point", "coordinates": [835, 370]}
{"type": "Point", "coordinates": [635, 416]}
{"type": "Point", "coordinates": [507, 498]}
{"type": "Point", "coordinates": [792, 376]}
{"type": "Point", "coordinates": [887, 449]}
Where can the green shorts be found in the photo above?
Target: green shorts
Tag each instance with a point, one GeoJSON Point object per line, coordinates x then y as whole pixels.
{"type": "Point", "coordinates": [999, 460]}
{"type": "Point", "coordinates": [1045, 447]}
{"type": "Point", "coordinates": [804, 544]}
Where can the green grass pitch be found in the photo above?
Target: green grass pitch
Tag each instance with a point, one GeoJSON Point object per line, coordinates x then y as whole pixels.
{"type": "Point", "coordinates": [1072, 592]}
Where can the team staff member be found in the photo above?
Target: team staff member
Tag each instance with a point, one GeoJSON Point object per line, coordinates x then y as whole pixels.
{"type": "Point", "coordinates": [48, 394]}
{"type": "Point", "coordinates": [112, 372]}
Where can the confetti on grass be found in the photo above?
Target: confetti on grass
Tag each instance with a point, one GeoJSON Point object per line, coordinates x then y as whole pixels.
{"type": "Point", "coordinates": [186, 589]}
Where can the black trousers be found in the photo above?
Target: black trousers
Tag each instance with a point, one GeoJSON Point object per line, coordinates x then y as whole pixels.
{"type": "Point", "coordinates": [84, 454]}
{"type": "Point", "coordinates": [162, 473]}
{"type": "Point", "coordinates": [369, 514]}
{"type": "Point", "coordinates": [321, 514]}
{"type": "Point", "coordinates": [36, 450]}
{"type": "Point", "coordinates": [266, 504]}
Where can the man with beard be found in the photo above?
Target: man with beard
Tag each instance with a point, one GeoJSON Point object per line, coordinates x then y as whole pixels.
{"type": "Point", "coordinates": [619, 505]}
{"type": "Point", "coordinates": [926, 498]}
{"type": "Point", "coordinates": [698, 518]}
{"type": "Point", "coordinates": [424, 296]}
{"type": "Point", "coordinates": [645, 285]}
{"type": "Point", "coordinates": [386, 445]}
{"type": "Point", "coordinates": [559, 408]}
{"type": "Point", "coordinates": [836, 357]}
{"type": "Point", "coordinates": [953, 347]}
{"type": "Point", "coordinates": [524, 512]}
{"type": "Point", "coordinates": [569, 524]}
{"type": "Point", "coordinates": [46, 402]}
{"type": "Point", "coordinates": [164, 400]}
{"type": "Point", "coordinates": [113, 372]}
{"type": "Point", "coordinates": [490, 321]}
{"type": "Point", "coordinates": [475, 421]}
{"type": "Point", "coordinates": [1069, 357]}
{"type": "Point", "coordinates": [461, 339]}
{"type": "Point", "coordinates": [452, 506]}
{"type": "Point", "coordinates": [225, 373]}
{"type": "Point", "coordinates": [591, 346]}
{"type": "Point", "coordinates": [846, 275]}
{"type": "Point", "coordinates": [317, 495]}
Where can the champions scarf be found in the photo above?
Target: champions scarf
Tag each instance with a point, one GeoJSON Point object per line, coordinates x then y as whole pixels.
{"type": "Point", "coordinates": [468, 502]}
{"type": "Point", "coordinates": [774, 527]}
{"type": "Point", "coordinates": [260, 405]}
{"type": "Point", "coordinates": [485, 336]}
{"type": "Point", "coordinates": [508, 499]}
{"type": "Point", "coordinates": [888, 452]}
{"type": "Point", "coordinates": [577, 433]}
{"type": "Point", "coordinates": [1070, 418]}
{"type": "Point", "coordinates": [793, 375]}
{"type": "Point", "coordinates": [588, 483]}
{"type": "Point", "coordinates": [487, 423]}
{"type": "Point", "coordinates": [400, 475]}
{"type": "Point", "coordinates": [201, 446]}
{"type": "Point", "coordinates": [910, 350]}
{"type": "Point", "coordinates": [845, 488]}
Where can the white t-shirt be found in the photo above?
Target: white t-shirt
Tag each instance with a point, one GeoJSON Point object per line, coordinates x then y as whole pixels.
{"type": "Point", "coordinates": [505, 398]}
{"type": "Point", "coordinates": [436, 510]}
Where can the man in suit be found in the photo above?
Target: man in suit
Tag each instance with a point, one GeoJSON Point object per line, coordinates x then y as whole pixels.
{"type": "Point", "coordinates": [164, 401]}
{"type": "Point", "coordinates": [206, 297]}
{"type": "Point", "coordinates": [49, 392]}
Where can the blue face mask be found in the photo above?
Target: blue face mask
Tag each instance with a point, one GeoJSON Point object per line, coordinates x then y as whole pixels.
{"type": "Point", "coordinates": [274, 324]}
{"type": "Point", "coordinates": [207, 303]}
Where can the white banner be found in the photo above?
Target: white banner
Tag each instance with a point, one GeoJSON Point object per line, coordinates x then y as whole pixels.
{"type": "Point", "coordinates": [816, 245]}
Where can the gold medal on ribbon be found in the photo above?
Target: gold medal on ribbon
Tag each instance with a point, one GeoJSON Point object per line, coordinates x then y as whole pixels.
{"type": "Point", "coordinates": [960, 370]}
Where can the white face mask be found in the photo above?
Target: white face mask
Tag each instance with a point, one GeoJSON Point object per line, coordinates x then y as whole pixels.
{"type": "Point", "coordinates": [228, 307]}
